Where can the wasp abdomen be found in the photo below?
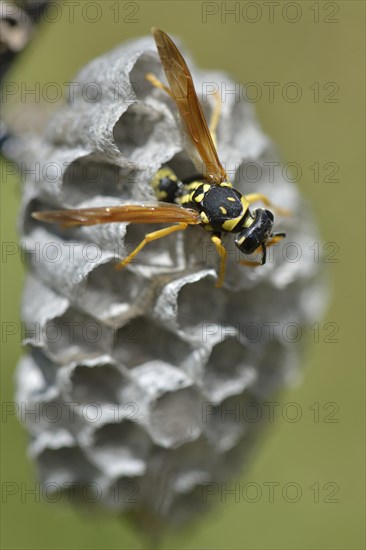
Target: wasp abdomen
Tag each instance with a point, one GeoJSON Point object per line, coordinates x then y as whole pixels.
{"type": "Point", "coordinates": [166, 185]}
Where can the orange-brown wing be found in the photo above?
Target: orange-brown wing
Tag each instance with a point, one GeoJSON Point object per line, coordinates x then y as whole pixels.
{"type": "Point", "coordinates": [157, 212]}
{"type": "Point", "coordinates": [183, 91]}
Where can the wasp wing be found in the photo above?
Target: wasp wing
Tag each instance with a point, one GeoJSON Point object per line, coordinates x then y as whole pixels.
{"type": "Point", "coordinates": [157, 212]}
{"type": "Point", "coordinates": [183, 91]}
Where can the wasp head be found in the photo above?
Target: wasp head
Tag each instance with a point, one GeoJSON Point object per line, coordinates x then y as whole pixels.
{"type": "Point", "coordinates": [256, 234]}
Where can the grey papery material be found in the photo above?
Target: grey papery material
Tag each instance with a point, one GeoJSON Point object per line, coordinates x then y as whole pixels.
{"type": "Point", "coordinates": [131, 372]}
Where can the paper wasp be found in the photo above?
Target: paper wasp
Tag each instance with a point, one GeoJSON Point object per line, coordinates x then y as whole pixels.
{"type": "Point", "coordinates": [211, 201]}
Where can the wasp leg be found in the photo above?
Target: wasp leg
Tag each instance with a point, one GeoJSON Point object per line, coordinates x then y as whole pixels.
{"type": "Point", "coordinates": [255, 197]}
{"type": "Point", "coordinates": [275, 238]}
{"type": "Point", "coordinates": [256, 263]}
{"type": "Point", "coordinates": [215, 117]}
{"type": "Point", "coordinates": [216, 239]}
{"type": "Point", "coordinates": [157, 83]}
{"type": "Point", "coordinates": [155, 235]}
{"type": "Point", "coordinates": [250, 264]}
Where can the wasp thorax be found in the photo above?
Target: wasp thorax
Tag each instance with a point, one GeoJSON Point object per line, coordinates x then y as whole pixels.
{"type": "Point", "coordinates": [221, 204]}
{"type": "Point", "coordinates": [257, 233]}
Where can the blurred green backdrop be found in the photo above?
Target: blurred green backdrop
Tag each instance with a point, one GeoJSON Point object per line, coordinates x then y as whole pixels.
{"type": "Point", "coordinates": [312, 44]}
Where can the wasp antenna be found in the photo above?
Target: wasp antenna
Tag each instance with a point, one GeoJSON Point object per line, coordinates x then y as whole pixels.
{"type": "Point", "coordinates": [264, 257]}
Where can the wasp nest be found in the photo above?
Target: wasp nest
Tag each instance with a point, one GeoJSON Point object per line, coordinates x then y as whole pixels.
{"type": "Point", "coordinates": [134, 375]}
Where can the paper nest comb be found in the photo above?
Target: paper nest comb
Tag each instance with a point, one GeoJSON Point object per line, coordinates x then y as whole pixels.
{"type": "Point", "coordinates": [133, 373]}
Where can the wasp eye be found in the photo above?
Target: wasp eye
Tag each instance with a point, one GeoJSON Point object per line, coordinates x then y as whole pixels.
{"type": "Point", "coordinates": [247, 242]}
{"type": "Point", "coordinates": [270, 215]}
{"type": "Point", "coordinates": [257, 233]}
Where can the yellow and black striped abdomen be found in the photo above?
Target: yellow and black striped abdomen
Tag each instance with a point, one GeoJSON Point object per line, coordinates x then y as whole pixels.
{"type": "Point", "coordinates": [166, 185]}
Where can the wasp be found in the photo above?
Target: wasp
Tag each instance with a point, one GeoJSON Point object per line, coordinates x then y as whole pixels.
{"type": "Point", "coordinates": [211, 202]}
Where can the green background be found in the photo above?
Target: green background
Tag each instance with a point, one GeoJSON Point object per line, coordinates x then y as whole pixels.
{"type": "Point", "coordinates": [306, 131]}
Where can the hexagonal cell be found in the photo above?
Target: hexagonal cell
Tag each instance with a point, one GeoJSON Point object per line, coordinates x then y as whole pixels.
{"type": "Point", "coordinates": [64, 465]}
{"type": "Point", "coordinates": [113, 296]}
{"type": "Point", "coordinates": [229, 369]}
{"type": "Point", "coordinates": [174, 509]}
{"type": "Point", "coordinates": [261, 311]}
{"type": "Point", "coordinates": [100, 394]}
{"type": "Point", "coordinates": [39, 377]}
{"type": "Point", "coordinates": [91, 176]}
{"type": "Point", "coordinates": [187, 507]}
{"type": "Point", "coordinates": [140, 126]}
{"type": "Point", "coordinates": [143, 340]}
{"type": "Point", "coordinates": [124, 493]}
{"type": "Point", "coordinates": [176, 418]}
{"type": "Point", "coordinates": [146, 63]}
{"type": "Point", "coordinates": [199, 307]}
{"type": "Point", "coordinates": [50, 420]}
{"type": "Point", "coordinates": [224, 424]}
{"type": "Point", "coordinates": [176, 472]}
{"type": "Point", "coordinates": [76, 336]}
{"type": "Point", "coordinates": [28, 224]}
{"type": "Point", "coordinates": [157, 378]}
{"type": "Point", "coordinates": [41, 406]}
{"type": "Point", "coordinates": [98, 384]}
{"type": "Point", "coordinates": [119, 449]}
